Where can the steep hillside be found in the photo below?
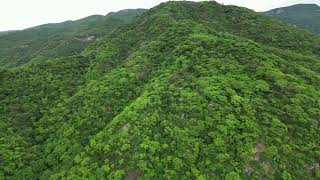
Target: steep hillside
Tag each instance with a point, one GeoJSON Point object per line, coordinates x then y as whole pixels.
{"type": "Point", "coordinates": [302, 15]}
{"type": "Point", "coordinates": [185, 91]}
{"type": "Point", "coordinates": [59, 40]}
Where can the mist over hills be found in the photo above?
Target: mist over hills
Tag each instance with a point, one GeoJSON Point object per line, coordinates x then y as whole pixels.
{"type": "Point", "coordinates": [185, 90]}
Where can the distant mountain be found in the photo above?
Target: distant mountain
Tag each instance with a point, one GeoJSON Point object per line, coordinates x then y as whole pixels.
{"type": "Point", "coordinates": [302, 15]}
{"type": "Point", "coordinates": [59, 39]}
{"type": "Point", "coordinates": [5, 32]}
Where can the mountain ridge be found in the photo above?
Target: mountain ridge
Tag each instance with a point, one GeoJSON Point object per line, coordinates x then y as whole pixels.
{"type": "Point", "coordinates": [40, 42]}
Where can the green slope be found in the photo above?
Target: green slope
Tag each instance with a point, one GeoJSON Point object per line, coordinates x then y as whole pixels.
{"type": "Point", "coordinates": [186, 91]}
{"type": "Point", "coordinates": [59, 40]}
{"type": "Point", "coordinates": [302, 15]}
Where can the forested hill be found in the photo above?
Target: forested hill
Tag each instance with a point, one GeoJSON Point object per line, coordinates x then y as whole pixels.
{"type": "Point", "coordinates": [59, 39]}
{"type": "Point", "coordinates": [185, 91]}
{"type": "Point", "coordinates": [305, 16]}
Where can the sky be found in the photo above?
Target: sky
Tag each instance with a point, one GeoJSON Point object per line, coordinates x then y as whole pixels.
{"type": "Point", "coordinates": [21, 14]}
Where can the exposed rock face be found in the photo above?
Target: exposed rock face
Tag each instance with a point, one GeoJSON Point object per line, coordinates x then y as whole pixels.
{"type": "Point", "coordinates": [312, 166]}
{"type": "Point", "coordinates": [87, 39]}
{"type": "Point", "coordinates": [24, 46]}
{"type": "Point", "coordinates": [279, 11]}
{"type": "Point", "coordinates": [259, 148]}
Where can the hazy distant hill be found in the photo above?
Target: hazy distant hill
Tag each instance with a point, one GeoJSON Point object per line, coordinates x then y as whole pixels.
{"type": "Point", "coordinates": [302, 15]}
{"type": "Point", "coordinates": [59, 39]}
{"type": "Point", "coordinates": [5, 32]}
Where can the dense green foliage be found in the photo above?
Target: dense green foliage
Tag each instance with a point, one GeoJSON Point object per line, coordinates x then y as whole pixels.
{"type": "Point", "coordinates": [59, 40]}
{"type": "Point", "coordinates": [186, 91]}
{"type": "Point", "coordinates": [302, 15]}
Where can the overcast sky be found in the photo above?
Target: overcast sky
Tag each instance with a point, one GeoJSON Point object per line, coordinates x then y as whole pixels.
{"type": "Point", "coordinates": [20, 14]}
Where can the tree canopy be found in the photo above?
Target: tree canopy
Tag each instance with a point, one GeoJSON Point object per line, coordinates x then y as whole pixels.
{"type": "Point", "coordinates": [184, 91]}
